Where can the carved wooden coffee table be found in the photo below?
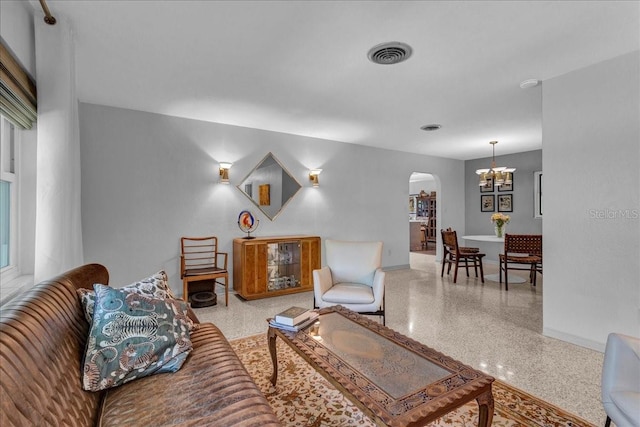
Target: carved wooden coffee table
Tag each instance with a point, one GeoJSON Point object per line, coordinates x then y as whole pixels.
{"type": "Point", "coordinates": [394, 379]}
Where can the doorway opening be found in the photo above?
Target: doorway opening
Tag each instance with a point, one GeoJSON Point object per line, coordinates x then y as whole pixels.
{"type": "Point", "coordinates": [423, 214]}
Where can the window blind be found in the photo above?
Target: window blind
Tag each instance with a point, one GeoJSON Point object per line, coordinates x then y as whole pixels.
{"type": "Point", "coordinates": [18, 98]}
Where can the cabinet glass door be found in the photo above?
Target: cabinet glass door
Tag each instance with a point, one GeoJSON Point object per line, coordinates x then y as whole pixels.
{"type": "Point", "coordinates": [283, 265]}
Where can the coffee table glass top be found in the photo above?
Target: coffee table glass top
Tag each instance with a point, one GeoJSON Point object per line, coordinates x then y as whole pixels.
{"type": "Point", "coordinates": [395, 369]}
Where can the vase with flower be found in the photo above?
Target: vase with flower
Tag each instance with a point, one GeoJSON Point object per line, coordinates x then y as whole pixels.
{"type": "Point", "coordinates": [500, 220]}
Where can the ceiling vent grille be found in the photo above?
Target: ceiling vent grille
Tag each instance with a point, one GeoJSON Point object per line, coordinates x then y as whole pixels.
{"type": "Point", "coordinates": [389, 53]}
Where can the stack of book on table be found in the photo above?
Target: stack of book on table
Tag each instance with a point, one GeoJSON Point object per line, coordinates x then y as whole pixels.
{"type": "Point", "coordinates": [293, 319]}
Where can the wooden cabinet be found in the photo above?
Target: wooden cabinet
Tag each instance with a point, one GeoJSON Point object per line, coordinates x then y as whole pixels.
{"type": "Point", "coordinates": [271, 266]}
{"type": "Point", "coordinates": [426, 208]}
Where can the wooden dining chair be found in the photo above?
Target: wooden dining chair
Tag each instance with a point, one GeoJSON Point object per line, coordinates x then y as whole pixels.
{"type": "Point", "coordinates": [454, 254]}
{"type": "Point", "coordinates": [521, 252]}
{"type": "Point", "coordinates": [201, 261]}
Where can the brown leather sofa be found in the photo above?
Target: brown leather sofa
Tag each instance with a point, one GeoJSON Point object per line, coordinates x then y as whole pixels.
{"type": "Point", "coordinates": [42, 342]}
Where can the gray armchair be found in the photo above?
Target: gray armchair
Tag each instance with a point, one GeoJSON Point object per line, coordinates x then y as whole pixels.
{"type": "Point", "coordinates": [621, 380]}
{"type": "Point", "coordinates": [352, 277]}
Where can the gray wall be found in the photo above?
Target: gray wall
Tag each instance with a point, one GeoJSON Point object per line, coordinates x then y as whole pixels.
{"type": "Point", "coordinates": [522, 220]}
{"type": "Point", "coordinates": [148, 179]}
{"type": "Point", "coordinates": [591, 156]}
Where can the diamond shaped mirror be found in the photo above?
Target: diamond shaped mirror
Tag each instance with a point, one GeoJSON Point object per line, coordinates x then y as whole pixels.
{"type": "Point", "coordinates": [270, 186]}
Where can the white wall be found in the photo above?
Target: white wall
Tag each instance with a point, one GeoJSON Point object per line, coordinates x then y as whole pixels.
{"type": "Point", "coordinates": [591, 157]}
{"type": "Point", "coordinates": [16, 29]}
{"type": "Point", "coordinates": [148, 179]}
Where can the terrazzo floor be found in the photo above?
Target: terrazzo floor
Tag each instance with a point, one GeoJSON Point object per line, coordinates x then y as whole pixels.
{"type": "Point", "coordinates": [492, 330]}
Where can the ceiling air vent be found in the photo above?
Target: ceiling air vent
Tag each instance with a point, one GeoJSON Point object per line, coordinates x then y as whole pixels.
{"type": "Point", "coordinates": [389, 53]}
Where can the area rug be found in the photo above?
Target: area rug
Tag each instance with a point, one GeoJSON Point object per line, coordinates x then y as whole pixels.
{"type": "Point", "coordinates": [303, 397]}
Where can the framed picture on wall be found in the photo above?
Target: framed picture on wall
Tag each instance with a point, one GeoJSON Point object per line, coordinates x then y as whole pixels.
{"type": "Point", "coordinates": [505, 202]}
{"type": "Point", "coordinates": [487, 202]}
{"type": "Point", "coordinates": [507, 187]}
{"type": "Point", "coordinates": [489, 187]}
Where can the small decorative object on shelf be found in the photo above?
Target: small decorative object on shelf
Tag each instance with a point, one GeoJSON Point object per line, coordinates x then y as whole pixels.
{"type": "Point", "coordinates": [500, 220]}
{"type": "Point", "coordinates": [248, 223]}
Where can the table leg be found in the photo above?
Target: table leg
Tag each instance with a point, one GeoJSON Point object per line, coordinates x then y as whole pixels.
{"type": "Point", "coordinates": [271, 336]}
{"type": "Point", "coordinates": [485, 405]}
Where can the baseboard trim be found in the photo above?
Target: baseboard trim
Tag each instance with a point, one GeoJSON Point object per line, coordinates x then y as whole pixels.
{"type": "Point", "coordinates": [396, 267]}
{"type": "Point", "coordinates": [574, 339]}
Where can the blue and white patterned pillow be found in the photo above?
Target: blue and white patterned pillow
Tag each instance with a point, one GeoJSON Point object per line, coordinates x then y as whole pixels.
{"type": "Point", "coordinates": [155, 286]}
{"type": "Point", "coordinates": [133, 336]}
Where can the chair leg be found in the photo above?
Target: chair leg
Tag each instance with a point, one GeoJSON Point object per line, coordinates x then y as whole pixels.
{"type": "Point", "coordinates": [506, 276]}
{"type": "Point", "coordinates": [607, 423]}
{"type": "Point", "coordinates": [185, 290]}
{"type": "Point", "coordinates": [533, 276]}
{"type": "Point", "coordinates": [444, 261]}
{"type": "Point", "coordinates": [481, 270]}
{"type": "Point", "coordinates": [455, 273]}
{"type": "Point", "coordinates": [466, 265]}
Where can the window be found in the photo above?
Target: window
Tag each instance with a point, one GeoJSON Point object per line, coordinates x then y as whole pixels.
{"type": "Point", "coordinates": [8, 200]}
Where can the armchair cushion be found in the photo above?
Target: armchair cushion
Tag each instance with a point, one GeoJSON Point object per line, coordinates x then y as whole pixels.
{"type": "Point", "coordinates": [354, 262]}
{"type": "Point", "coordinates": [349, 293]}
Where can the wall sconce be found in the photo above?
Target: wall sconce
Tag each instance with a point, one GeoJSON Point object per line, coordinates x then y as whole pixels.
{"type": "Point", "coordinates": [224, 172]}
{"type": "Point", "coordinates": [313, 177]}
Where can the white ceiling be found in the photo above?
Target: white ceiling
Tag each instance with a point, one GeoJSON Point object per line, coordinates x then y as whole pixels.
{"type": "Point", "coordinates": [301, 67]}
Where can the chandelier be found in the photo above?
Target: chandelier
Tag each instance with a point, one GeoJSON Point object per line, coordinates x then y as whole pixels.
{"type": "Point", "coordinates": [500, 175]}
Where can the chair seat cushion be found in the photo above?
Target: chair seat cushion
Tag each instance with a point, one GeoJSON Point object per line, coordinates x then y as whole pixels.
{"type": "Point", "coordinates": [349, 293]}
{"type": "Point", "coordinates": [468, 249]}
{"type": "Point", "coordinates": [203, 271]}
{"type": "Point", "coordinates": [628, 402]}
{"type": "Point", "coordinates": [522, 259]}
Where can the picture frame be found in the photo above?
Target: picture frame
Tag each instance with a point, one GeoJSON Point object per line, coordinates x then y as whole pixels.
{"type": "Point", "coordinates": [489, 187]}
{"type": "Point", "coordinates": [507, 187]}
{"type": "Point", "coordinates": [505, 202]}
{"type": "Point", "coordinates": [413, 203]}
{"type": "Point", "coordinates": [487, 203]}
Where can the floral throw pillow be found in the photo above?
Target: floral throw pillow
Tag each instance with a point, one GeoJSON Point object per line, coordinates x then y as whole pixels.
{"type": "Point", "coordinates": [133, 336]}
{"type": "Point", "coordinates": [155, 286]}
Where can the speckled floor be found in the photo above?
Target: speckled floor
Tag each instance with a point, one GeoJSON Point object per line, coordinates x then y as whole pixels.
{"type": "Point", "coordinates": [492, 330]}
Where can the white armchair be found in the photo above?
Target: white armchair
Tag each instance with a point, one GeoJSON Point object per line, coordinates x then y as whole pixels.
{"type": "Point", "coordinates": [353, 277]}
{"type": "Point", "coordinates": [621, 380]}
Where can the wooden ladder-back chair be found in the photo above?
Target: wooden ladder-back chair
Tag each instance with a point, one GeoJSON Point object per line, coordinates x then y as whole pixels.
{"type": "Point", "coordinates": [521, 252]}
{"type": "Point", "coordinates": [201, 261]}
{"type": "Point", "coordinates": [454, 254]}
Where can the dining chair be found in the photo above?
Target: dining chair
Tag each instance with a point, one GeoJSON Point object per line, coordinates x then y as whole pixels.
{"type": "Point", "coordinates": [201, 261]}
{"type": "Point", "coordinates": [454, 254]}
{"type": "Point", "coordinates": [521, 252]}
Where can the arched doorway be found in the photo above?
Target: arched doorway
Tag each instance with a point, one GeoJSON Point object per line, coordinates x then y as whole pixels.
{"type": "Point", "coordinates": [423, 213]}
